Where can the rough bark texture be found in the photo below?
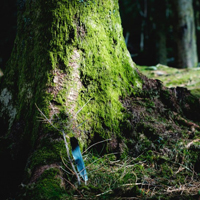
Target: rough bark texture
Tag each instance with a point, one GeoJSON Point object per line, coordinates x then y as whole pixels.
{"type": "Point", "coordinates": [185, 37]}
{"type": "Point", "coordinates": [67, 53]}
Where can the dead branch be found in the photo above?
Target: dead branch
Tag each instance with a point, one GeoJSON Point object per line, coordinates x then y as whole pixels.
{"type": "Point", "coordinates": [96, 144]}
{"type": "Point", "coordinates": [191, 143]}
{"type": "Point", "coordinates": [65, 141]}
{"type": "Point", "coordinates": [70, 160]}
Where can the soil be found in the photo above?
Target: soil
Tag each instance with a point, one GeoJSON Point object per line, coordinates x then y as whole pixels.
{"type": "Point", "coordinates": [166, 132]}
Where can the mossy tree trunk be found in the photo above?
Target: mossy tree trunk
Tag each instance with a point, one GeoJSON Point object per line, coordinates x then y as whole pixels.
{"type": "Point", "coordinates": [66, 53]}
{"type": "Point", "coordinates": [185, 37]}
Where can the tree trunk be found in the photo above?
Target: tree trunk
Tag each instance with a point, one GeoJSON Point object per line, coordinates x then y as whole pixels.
{"type": "Point", "coordinates": [160, 20]}
{"type": "Point", "coordinates": [67, 55]}
{"type": "Point", "coordinates": [185, 37]}
{"type": "Point", "coordinates": [196, 5]}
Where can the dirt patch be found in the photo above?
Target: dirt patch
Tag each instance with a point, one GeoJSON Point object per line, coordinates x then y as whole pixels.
{"type": "Point", "coordinates": [164, 133]}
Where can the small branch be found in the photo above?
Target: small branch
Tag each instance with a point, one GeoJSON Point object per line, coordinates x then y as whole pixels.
{"type": "Point", "coordinates": [179, 170]}
{"type": "Point", "coordinates": [66, 171]}
{"type": "Point", "coordinates": [76, 128]}
{"type": "Point", "coordinates": [98, 195]}
{"type": "Point", "coordinates": [82, 108]}
{"type": "Point", "coordinates": [190, 143]}
{"type": "Point", "coordinates": [96, 144]}
{"type": "Point", "coordinates": [74, 187]}
{"type": "Point", "coordinates": [187, 123]}
{"type": "Point", "coordinates": [70, 160]}
{"type": "Point", "coordinates": [46, 118]}
{"type": "Point", "coordinates": [66, 145]}
{"type": "Point", "coordinates": [72, 173]}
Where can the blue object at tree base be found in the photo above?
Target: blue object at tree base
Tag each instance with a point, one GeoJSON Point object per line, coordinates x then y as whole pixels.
{"type": "Point", "coordinates": [76, 152]}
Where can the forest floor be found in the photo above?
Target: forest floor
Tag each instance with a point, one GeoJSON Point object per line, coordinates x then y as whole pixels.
{"type": "Point", "coordinates": [162, 141]}
{"type": "Point", "coordinates": [173, 77]}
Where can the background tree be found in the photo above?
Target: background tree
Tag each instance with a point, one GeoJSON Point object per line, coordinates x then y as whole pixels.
{"type": "Point", "coordinates": [140, 20]}
{"type": "Point", "coordinates": [160, 18]}
{"type": "Point", "coordinates": [185, 36]}
{"type": "Point", "coordinates": [157, 25]}
{"type": "Point", "coordinates": [196, 6]}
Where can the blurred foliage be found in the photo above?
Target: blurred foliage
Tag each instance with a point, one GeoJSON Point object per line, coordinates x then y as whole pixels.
{"type": "Point", "coordinates": [143, 20]}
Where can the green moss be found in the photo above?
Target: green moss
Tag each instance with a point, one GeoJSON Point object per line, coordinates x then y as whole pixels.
{"type": "Point", "coordinates": [53, 39]}
{"type": "Point", "coordinates": [196, 92]}
{"type": "Point", "coordinates": [173, 77]}
{"type": "Point", "coordinates": [57, 41]}
{"type": "Point", "coordinates": [49, 152]}
{"type": "Point", "coordinates": [48, 187]}
{"type": "Point", "coordinates": [103, 80]}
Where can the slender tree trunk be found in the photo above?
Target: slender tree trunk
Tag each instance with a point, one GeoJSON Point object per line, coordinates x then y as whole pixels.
{"type": "Point", "coordinates": [66, 54]}
{"type": "Point", "coordinates": [160, 20]}
{"type": "Point", "coordinates": [197, 23]}
{"type": "Point", "coordinates": [185, 37]}
{"type": "Point", "coordinates": [161, 47]}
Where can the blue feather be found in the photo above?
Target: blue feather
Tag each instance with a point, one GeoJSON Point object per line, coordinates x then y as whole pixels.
{"type": "Point", "coordinates": [78, 158]}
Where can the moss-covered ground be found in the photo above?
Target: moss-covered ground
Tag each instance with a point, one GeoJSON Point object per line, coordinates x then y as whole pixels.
{"type": "Point", "coordinates": [173, 77]}
{"type": "Point", "coordinates": [157, 156]}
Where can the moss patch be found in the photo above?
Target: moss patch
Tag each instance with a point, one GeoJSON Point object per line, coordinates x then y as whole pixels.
{"type": "Point", "coordinates": [48, 153]}
{"type": "Point", "coordinates": [172, 77]}
{"type": "Point", "coordinates": [49, 186]}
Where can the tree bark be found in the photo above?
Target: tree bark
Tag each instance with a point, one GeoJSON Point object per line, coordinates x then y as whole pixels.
{"type": "Point", "coordinates": [66, 54]}
{"type": "Point", "coordinates": [185, 37]}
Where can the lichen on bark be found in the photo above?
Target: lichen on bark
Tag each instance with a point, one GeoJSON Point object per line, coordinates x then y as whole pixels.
{"type": "Point", "coordinates": [6, 102]}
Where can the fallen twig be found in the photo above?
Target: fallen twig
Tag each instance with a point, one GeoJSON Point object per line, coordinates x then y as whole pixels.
{"type": "Point", "coordinates": [70, 160]}
{"type": "Point", "coordinates": [49, 121]}
{"type": "Point", "coordinates": [82, 108]}
{"type": "Point", "coordinates": [95, 144]}
{"type": "Point", "coordinates": [66, 145]}
{"type": "Point", "coordinates": [192, 142]}
{"type": "Point", "coordinates": [74, 187]}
